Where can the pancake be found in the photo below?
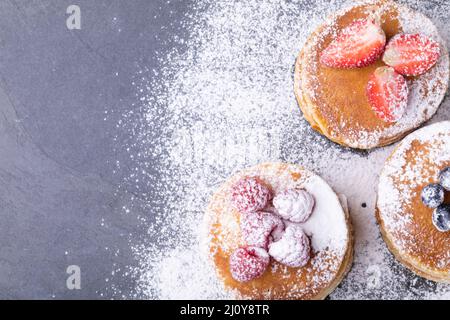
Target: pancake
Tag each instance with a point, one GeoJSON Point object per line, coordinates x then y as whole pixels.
{"type": "Point", "coordinates": [405, 222]}
{"type": "Point", "coordinates": [334, 101]}
{"type": "Point", "coordinates": [328, 228]}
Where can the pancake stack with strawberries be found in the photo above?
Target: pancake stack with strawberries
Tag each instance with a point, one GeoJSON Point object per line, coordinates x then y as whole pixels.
{"type": "Point", "coordinates": [371, 74]}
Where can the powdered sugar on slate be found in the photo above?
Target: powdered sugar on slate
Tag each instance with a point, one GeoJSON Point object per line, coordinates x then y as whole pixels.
{"type": "Point", "coordinates": [225, 103]}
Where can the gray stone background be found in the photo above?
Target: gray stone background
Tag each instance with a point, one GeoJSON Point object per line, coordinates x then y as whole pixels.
{"type": "Point", "coordinates": [59, 202]}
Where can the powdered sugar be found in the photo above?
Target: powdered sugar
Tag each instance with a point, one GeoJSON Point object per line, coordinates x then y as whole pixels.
{"type": "Point", "coordinates": [294, 205]}
{"type": "Point", "coordinates": [249, 195]}
{"type": "Point", "coordinates": [226, 103]}
{"type": "Point", "coordinates": [326, 225]}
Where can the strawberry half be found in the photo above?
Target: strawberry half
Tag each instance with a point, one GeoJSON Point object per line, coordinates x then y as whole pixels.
{"type": "Point", "coordinates": [387, 92]}
{"type": "Point", "coordinates": [411, 54]}
{"type": "Point", "coordinates": [358, 45]}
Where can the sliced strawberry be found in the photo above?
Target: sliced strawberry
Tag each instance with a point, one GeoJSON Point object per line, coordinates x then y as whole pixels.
{"type": "Point", "coordinates": [295, 205]}
{"type": "Point", "coordinates": [411, 54]}
{"type": "Point", "coordinates": [387, 92]}
{"type": "Point", "coordinates": [358, 45]}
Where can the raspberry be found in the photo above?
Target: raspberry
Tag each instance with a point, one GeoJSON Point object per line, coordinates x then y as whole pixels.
{"type": "Point", "coordinates": [293, 249]}
{"type": "Point", "coordinates": [260, 228]}
{"type": "Point", "coordinates": [248, 263]}
{"type": "Point", "coordinates": [250, 194]}
{"type": "Point", "coordinates": [294, 205]}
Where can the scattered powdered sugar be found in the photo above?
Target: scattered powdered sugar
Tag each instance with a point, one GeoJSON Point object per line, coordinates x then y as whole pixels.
{"type": "Point", "coordinates": [259, 228]}
{"type": "Point", "coordinates": [327, 225]}
{"type": "Point", "coordinates": [294, 205]}
{"type": "Point", "coordinates": [226, 102]}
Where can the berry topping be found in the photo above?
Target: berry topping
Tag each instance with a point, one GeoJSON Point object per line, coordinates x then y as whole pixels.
{"type": "Point", "coordinates": [250, 194]}
{"type": "Point", "coordinates": [260, 228]}
{"type": "Point", "coordinates": [411, 54]}
{"type": "Point", "coordinates": [248, 263]}
{"type": "Point", "coordinates": [358, 45]}
{"type": "Point", "coordinates": [444, 178]}
{"type": "Point", "coordinates": [433, 195]}
{"type": "Point", "coordinates": [441, 217]}
{"type": "Point", "coordinates": [293, 249]}
{"type": "Point", "coordinates": [294, 205]}
{"type": "Point", "coordinates": [387, 92]}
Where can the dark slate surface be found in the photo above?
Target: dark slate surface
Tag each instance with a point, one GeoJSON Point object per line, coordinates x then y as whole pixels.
{"type": "Point", "coordinates": [57, 162]}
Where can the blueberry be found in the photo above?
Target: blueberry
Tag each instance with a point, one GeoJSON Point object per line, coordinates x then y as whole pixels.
{"type": "Point", "coordinates": [441, 217]}
{"type": "Point", "coordinates": [444, 178]}
{"type": "Point", "coordinates": [433, 195]}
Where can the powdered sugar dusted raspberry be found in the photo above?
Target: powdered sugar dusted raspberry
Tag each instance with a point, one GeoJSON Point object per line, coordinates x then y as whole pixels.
{"type": "Point", "coordinates": [293, 249]}
{"type": "Point", "coordinates": [250, 194]}
{"type": "Point", "coordinates": [358, 45]}
{"type": "Point", "coordinates": [248, 263]}
{"type": "Point", "coordinates": [294, 205]}
{"type": "Point", "coordinates": [260, 228]}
